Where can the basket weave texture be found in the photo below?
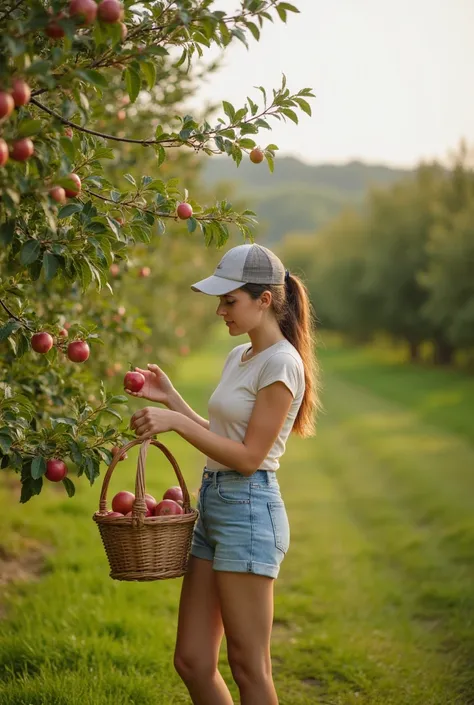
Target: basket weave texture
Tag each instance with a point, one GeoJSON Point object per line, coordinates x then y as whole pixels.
{"type": "Point", "coordinates": [146, 548]}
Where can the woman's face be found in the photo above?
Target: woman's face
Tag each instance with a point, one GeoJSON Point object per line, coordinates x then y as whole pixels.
{"type": "Point", "coordinates": [240, 312]}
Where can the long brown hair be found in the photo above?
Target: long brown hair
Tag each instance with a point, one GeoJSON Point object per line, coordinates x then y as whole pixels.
{"type": "Point", "coordinates": [294, 313]}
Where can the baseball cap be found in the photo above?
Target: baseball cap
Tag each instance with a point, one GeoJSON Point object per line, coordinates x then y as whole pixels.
{"type": "Point", "coordinates": [244, 264]}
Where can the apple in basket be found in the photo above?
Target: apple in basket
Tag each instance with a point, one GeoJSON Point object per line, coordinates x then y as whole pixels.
{"type": "Point", "coordinates": [174, 493]}
{"type": "Point", "coordinates": [167, 507]}
{"type": "Point", "coordinates": [123, 502]}
{"type": "Point", "coordinates": [150, 502]}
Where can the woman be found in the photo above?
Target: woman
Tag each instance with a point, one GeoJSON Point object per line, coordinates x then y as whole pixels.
{"type": "Point", "coordinates": [242, 533]}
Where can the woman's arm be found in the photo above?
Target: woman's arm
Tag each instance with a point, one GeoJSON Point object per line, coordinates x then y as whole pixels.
{"type": "Point", "coordinates": [266, 421]}
{"type": "Point", "coordinates": [177, 403]}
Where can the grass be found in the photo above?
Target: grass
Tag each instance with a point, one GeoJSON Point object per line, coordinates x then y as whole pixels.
{"type": "Point", "coordinates": [374, 604]}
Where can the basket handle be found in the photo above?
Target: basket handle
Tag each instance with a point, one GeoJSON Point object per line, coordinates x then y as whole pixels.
{"type": "Point", "coordinates": [139, 506]}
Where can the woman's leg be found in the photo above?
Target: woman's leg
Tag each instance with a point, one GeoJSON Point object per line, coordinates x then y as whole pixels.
{"type": "Point", "coordinates": [246, 602]}
{"type": "Point", "coordinates": [200, 632]}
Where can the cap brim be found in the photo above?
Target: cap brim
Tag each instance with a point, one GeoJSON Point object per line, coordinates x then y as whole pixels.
{"type": "Point", "coordinates": [216, 286]}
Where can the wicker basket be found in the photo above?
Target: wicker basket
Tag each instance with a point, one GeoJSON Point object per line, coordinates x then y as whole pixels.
{"type": "Point", "coordinates": [146, 548]}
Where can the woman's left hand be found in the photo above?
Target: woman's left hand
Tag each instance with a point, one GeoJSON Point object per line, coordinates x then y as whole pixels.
{"type": "Point", "coordinates": [151, 420]}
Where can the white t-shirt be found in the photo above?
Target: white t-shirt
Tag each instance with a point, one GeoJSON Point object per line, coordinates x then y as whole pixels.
{"type": "Point", "coordinates": [231, 404]}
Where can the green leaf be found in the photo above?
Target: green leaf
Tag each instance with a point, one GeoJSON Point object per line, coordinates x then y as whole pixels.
{"type": "Point", "coordinates": [5, 444]}
{"type": "Point", "coordinates": [50, 265]}
{"type": "Point", "coordinates": [39, 67]}
{"type": "Point", "coordinates": [132, 83]}
{"type": "Point", "coordinates": [254, 29]}
{"type": "Point", "coordinates": [28, 128]}
{"type": "Point", "coordinates": [130, 179]}
{"type": "Point", "coordinates": [7, 231]}
{"type": "Point", "coordinates": [228, 109]}
{"type": "Point", "coordinates": [160, 153]}
{"type": "Point", "coordinates": [69, 485]}
{"type": "Point", "coordinates": [38, 467]}
{"type": "Point", "coordinates": [118, 399]}
{"type": "Point", "coordinates": [288, 7]}
{"type": "Point", "coordinates": [70, 209]}
{"type": "Point", "coordinates": [192, 224]}
{"type": "Point", "coordinates": [67, 146]}
{"type": "Point", "coordinates": [92, 76]}
{"type": "Point", "coordinates": [30, 487]}
{"type": "Point", "coordinates": [246, 143]}
{"type": "Point", "coordinates": [148, 70]}
{"type": "Point", "coordinates": [30, 252]}
{"type": "Point", "coordinates": [270, 161]}
{"type": "Point", "coordinates": [113, 412]}
{"type": "Point", "coordinates": [290, 113]}
{"type": "Point", "coordinates": [304, 105]}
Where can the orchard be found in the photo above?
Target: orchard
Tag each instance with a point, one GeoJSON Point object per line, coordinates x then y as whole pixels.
{"type": "Point", "coordinates": [97, 170]}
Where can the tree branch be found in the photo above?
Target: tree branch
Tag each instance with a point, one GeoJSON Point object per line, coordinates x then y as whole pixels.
{"type": "Point", "coordinates": [12, 315]}
{"type": "Point", "coordinates": [157, 214]}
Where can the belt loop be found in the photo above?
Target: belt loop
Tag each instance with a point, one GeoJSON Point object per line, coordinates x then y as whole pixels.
{"type": "Point", "coordinates": [214, 477]}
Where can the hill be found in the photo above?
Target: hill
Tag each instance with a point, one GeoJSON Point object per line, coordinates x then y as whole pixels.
{"type": "Point", "coordinates": [297, 197]}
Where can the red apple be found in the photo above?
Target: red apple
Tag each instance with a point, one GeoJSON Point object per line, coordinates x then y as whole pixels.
{"type": "Point", "coordinates": [53, 29]}
{"type": "Point", "coordinates": [167, 507]}
{"type": "Point", "coordinates": [121, 115]}
{"type": "Point", "coordinates": [175, 493]}
{"type": "Point", "coordinates": [128, 514]}
{"type": "Point", "coordinates": [6, 104]}
{"type": "Point", "coordinates": [78, 351]}
{"type": "Point", "coordinates": [22, 149]}
{"type": "Point", "coordinates": [114, 514]}
{"type": "Point", "coordinates": [70, 190]}
{"type": "Point", "coordinates": [21, 92]}
{"type": "Point", "coordinates": [42, 342]}
{"type": "Point", "coordinates": [63, 333]}
{"type": "Point", "coordinates": [55, 470]}
{"type": "Point", "coordinates": [144, 272]}
{"type": "Point", "coordinates": [123, 502]}
{"type": "Point", "coordinates": [256, 156]}
{"type": "Point", "coordinates": [68, 132]}
{"type": "Point", "coordinates": [150, 502]}
{"type": "Point", "coordinates": [58, 194]}
{"type": "Point", "coordinates": [116, 450]}
{"type": "Point", "coordinates": [85, 10]}
{"type": "Point", "coordinates": [114, 269]}
{"type": "Point", "coordinates": [110, 11]}
{"type": "Point", "coordinates": [184, 211]}
{"type": "Point", "coordinates": [3, 152]}
{"type": "Point", "coordinates": [133, 381]}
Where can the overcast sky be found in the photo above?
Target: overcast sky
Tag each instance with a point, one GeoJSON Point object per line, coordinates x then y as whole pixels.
{"type": "Point", "coordinates": [393, 78]}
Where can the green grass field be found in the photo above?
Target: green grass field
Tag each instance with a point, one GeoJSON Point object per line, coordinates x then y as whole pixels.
{"type": "Point", "coordinates": [375, 600]}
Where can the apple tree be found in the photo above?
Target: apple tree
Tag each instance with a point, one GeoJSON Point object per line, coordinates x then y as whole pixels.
{"type": "Point", "coordinates": [76, 203]}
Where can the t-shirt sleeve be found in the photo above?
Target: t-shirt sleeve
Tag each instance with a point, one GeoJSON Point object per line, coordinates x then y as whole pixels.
{"type": "Point", "coordinates": [281, 367]}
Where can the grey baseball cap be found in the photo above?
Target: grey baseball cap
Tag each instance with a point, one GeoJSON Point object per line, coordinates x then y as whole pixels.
{"type": "Point", "coordinates": [244, 264]}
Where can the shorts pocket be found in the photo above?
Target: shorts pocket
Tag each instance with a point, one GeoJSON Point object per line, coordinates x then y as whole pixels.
{"type": "Point", "coordinates": [281, 525]}
{"type": "Point", "coordinates": [234, 492]}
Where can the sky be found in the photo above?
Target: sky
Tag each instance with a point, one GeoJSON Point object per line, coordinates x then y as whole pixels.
{"type": "Point", "coordinates": [392, 78]}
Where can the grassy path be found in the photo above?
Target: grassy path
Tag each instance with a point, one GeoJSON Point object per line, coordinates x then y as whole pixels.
{"type": "Point", "coordinates": [375, 603]}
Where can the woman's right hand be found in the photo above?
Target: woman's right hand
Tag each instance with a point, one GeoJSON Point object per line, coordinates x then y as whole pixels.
{"type": "Point", "coordinates": [157, 387]}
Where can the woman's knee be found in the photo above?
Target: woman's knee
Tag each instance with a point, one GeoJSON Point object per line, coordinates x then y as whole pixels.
{"type": "Point", "coordinates": [193, 666]}
{"type": "Point", "coordinates": [249, 669]}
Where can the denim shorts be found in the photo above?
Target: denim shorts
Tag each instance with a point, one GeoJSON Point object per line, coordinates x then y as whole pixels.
{"type": "Point", "coordinates": [242, 525]}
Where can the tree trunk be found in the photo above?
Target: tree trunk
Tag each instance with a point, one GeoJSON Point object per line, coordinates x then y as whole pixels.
{"type": "Point", "coordinates": [414, 351]}
{"type": "Point", "coordinates": [443, 354]}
